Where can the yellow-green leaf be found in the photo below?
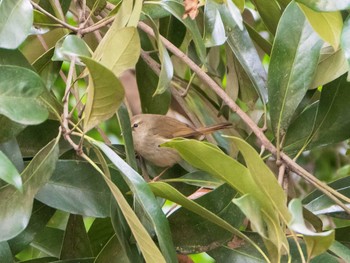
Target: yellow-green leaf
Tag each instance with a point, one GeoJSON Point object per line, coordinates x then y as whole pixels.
{"type": "Point", "coordinates": [118, 55]}
{"type": "Point", "coordinates": [105, 93]}
{"type": "Point", "coordinates": [316, 243]}
{"type": "Point", "coordinates": [328, 25]}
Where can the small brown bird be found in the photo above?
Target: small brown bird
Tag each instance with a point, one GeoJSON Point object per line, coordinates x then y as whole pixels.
{"type": "Point", "coordinates": [149, 131]}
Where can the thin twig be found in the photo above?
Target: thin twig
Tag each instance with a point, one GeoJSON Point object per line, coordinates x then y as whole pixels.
{"type": "Point", "coordinates": [328, 191]}
{"type": "Point", "coordinates": [97, 26]}
{"type": "Point", "coordinates": [68, 26]}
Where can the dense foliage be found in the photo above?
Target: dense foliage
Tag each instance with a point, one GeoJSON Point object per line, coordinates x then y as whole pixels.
{"type": "Point", "coordinates": [272, 188]}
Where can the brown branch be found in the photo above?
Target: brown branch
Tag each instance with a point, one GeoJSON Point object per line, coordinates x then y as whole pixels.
{"type": "Point", "coordinates": [328, 191]}
{"type": "Point", "coordinates": [97, 26]}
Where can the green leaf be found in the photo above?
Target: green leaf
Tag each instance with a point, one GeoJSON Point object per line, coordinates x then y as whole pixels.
{"type": "Point", "coordinates": [320, 204]}
{"type": "Point", "coordinates": [331, 66]}
{"type": "Point", "coordinates": [112, 252]}
{"type": "Point", "coordinates": [76, 243]}
{"type": "Point", "coordinates": [105, 93]}
{"type": "Point", "coordinates": [294, 58]}
{"type": "Point", "coordinates": [12, 150]}
{"type": "Point", "coordinates": [240, 178]}
{"type": "Point", "coordinates": [198, 233]}
{"type": "Point", "coordinates": [300, 129]}
{"type": "Point", "coordinates": [270, 13]}
{"type": "Point", "coordinates": [149, 205]}
{"type": "Point", "coordinates": [16, 19]}
{"type": "Point", "coordinates": [40, 216]}
{"type": "Point", "coordinates": [328, 25]}
{"type": "Point", "coordinates": [19, 92]}
{"type": "Point", "coordinates": [166, 65]}
{"type": "Point", "coordinates": [316, 243]}
{"type": "Point", "coordinates": [263, 177]}
{"type": "Point", "coordinates": [9, 173]}
{"type": "Point", "coordinates": [326, 5]}
{"type": "Point", "coordinates": [14, 57]}
{"type": "Point", "coordinates": [176, 8]}
{"type": "Point", "coordinates": [5, 253]}
{"type": "Point", "coordinates": [16, 207]}
{"type": "Point", "coordinates": [214, 28]}
{"type": "Point", "coordinates": [166, 191]}
{"type": "Point", "coordinates": [345, 39]}
{"type": "Point", "coordinates": [147, 82]}
{"type": "Point", "coordinates": [47, 69]}
{"type": "Point", "coordinates": [76, 180]}
{"type": "Point", "coordinates": [49, 241]}
{"type": "Point", "coordinates": [243, 48]}
{"type": "Point", "coordinates": [340, 250]}
{"type": "Point", "coordinates": [9, 129]}
{"type": "Point", "coordinates": [332, 122]}
{"type": "Point", "coordinates": [124, 120]}
{"type": "Point", "coordinates": [70, 46]}
{"type": "Point", "coordinates": [117, 55]}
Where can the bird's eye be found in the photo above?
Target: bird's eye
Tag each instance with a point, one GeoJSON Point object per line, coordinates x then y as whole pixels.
{"type": "Point", "coordinates": [135, 125]}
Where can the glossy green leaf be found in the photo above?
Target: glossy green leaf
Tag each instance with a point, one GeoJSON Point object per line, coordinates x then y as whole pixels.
{"type": "Point", "coordinates": [345, 39]}
{"type": "Point", "coordinates": [124, 120]}
{"type": "Point", "coordinates": [47, 69]}
{"type": "Point", "coordinates": [49, 240]}
{"type": "Point", "coordinates": [316, 243]}
{"type": "Point", "coordinates": [5, 253]}
{"type": "Point", "coordinates": [13, 57]}
{"type": "Point", "coordinates": [147, 82]}
{"type": "Point", "coordinates": [340, 250]}
{"type": "Point", "coordinates": [16, 207]}
{"type": "Point", "coordinates": [19, 92]}
{"type": "Point", "coordinates": [170, 193]}
{"type": "Point", "coordinates": [117, 55]}
{"type": "Point", "coordinates": [40, 216]}
{"type": "Point", "coordinates": [70, 46]}
{"type": "Point", "coordinates": [149, 206]}
{"type": "Point", "coordinates": [240, 178]}
{"type": "Point", "coordinates": [34, 138]}
{"type": "Point", "coordinates": [9, 173]}
{"type": "Point", "coordinates": [332, 65]}
{"type": "Point", "coordinates": [263, 43]}
{"type": "Point", "coordinates": [9, 129]}
{"type": "Point", "coordinates": [270, 13]}
{"type": "Point", "coordinates": [319, 204]}
{"type": "Point", "coordinates": [241, 253]}
{"type": "Point", "coordinates": [112, 252]}
{"type": "Point", "coordinates": [100, 232]}
{"type": "Point", "coordinates": [13, 152]}
{"type": "Point", "coordinates": [76, 180]}
{"type": "Point", "coordinates": [32, 48]}
{"type": "Point", "coordinates": [326, 5]}
{"type": "Point", "coordinates": [294, 58]}
{"type": "Point", "coordinates": [263, 177]}
{"type": "Point", "coordinates": [332, 122]}
{"type": "Point", "coordinates": [176, 8]}
{"type": "Point", "coordinates": [16, 19]}
{"type": "Point", "coordinates": [105, 93]}
{"type": "Point", "coordinates": [214, 28]}
{"type": "Point", "coordinates": [243, 48]}
{"type": "Point", "coordinates": [328, 25]}
{"type": "Point", "coordinates": [198, 233]}
{"type": "Point", "coordinates": [166, 65]}
{"type": "Point", "coordinates": [300, 129]}
{"type": "Point", "coordinates": [76, 243]}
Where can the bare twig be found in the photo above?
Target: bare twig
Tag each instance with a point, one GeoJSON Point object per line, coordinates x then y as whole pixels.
{"type": "Point", "coordinates": [64, 24]}
{"type": "Point", "coordinates": [328, 191]}
{"type": "Point", "coordinates": [97, 26]}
